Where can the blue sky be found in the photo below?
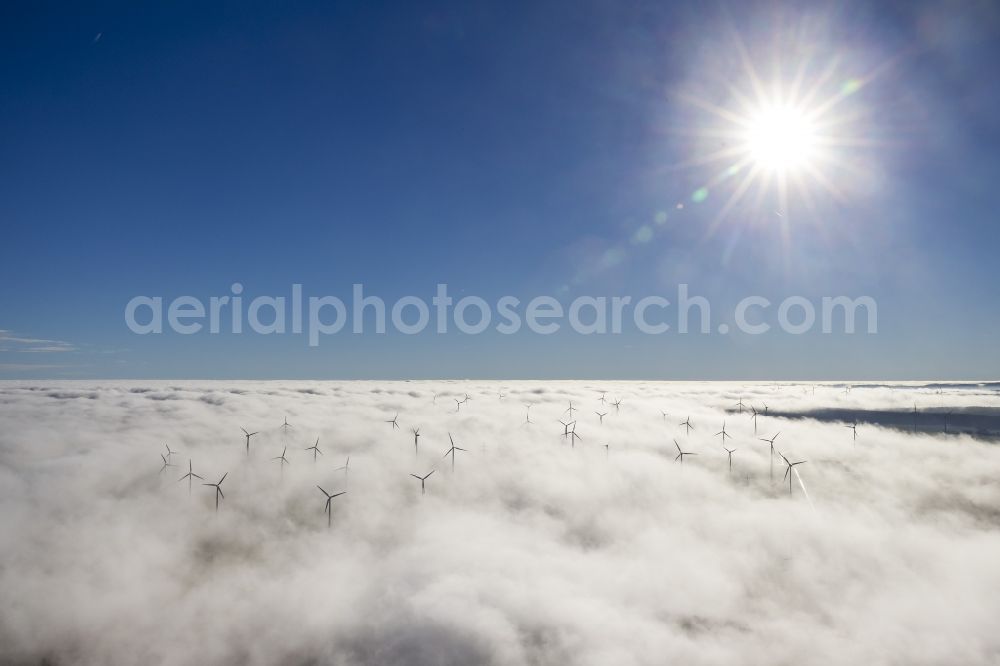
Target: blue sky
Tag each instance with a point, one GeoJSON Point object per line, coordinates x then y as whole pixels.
{"type": "Point", "coordinates": [521, 149]}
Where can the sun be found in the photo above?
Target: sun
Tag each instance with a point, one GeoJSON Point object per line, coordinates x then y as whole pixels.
{"type": "Point", "coordinates": [781, 145]}
{"type": "Point", "coordinates": [780, 138]}
{"type": "Point", "coordinates": [774, 144]}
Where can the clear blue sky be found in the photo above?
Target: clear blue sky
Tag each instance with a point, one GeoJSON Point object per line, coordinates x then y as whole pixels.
{"type": "Point", "coordinates": [503, 148]}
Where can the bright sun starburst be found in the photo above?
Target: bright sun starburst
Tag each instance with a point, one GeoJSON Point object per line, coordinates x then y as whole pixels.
{"type": "Point", "coordinates": [776, 142]}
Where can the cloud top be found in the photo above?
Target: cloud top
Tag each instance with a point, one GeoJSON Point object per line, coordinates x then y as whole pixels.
{"type": "Point", "coordinates": [534, 550]}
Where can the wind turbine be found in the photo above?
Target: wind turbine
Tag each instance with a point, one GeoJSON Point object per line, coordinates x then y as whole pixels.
{"type": "Point", "coordinates": [723, 433]}
{"type": "Point", "coordinates": [346, 467]}
{"type": "Point", "coordinates": [166, 463]}
{"type": "Point", "coordinates": [687, 424]}
{"type": "Point", "coordinates": [249, 435]}
{"type": "Point", "coordinates": [566, 427]}
{"type": "Point", "coordinates": [315, 449]}
{"type": "Point", "coordinates": [617, 405]}
{"type": "Point", "coordinates": [730, 452]}
{"type": "Point", "coordinates": [393, 421]}
{"type": "Point", "coordinates": [218, 489]}
{"type": "Point", "coordinates": [681, 454]}
{"type": "Point", "coordinates": [282, 460]}
{"type": "Point", "coordinates": [169, 451]}
{"type": "Point", "coordinates": [416, 436]}
{"type": "Point", "coordinates": [771, 442]}
{"type": "Point", "coordinates": [329, 504]}
{"type": "Point", "coordinates": [452, 451]}
{"type": "Point", "coordinates": [754, 417]}
{"type": "Point", "coordinates": [740, 404]}
{"type": "Point", "coordinates": [458, 404]}
{"type": "Point", "coordinates": [189, 476]}
{"type": "Point", "coordinates": [574, 436]}
{"type": "Point", "coordinates": [570, 409]}
{"type": "Point", "coordinates": [854, 429]}
{"type": "Point", "coordinates": [601, 416]}
{"type": "Point", "coordinates": [665, 415]}
{"type": "Point", "coordinates": [423, 480]}
{"type": "Point", "coordinates": [788, 471]}
{"type": "Point", "coordinates": [603, 394]}
{"type": "Point", "coordinates": [285, 426]}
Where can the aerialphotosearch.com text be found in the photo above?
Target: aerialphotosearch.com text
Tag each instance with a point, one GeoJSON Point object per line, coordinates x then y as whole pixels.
{"type": "Point", "coordinates": [319, 316]}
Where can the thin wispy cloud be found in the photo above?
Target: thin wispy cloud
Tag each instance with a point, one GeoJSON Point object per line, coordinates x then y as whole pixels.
{"type": "Point", "coordinates": [30, 367]}
{"type": "Point", "coordinates": [18, 343]}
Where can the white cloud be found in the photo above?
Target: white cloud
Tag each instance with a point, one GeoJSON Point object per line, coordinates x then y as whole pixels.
{"type": "Point", "coordinates": [531, 552]}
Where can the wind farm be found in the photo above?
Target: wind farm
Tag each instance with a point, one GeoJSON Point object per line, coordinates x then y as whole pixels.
{"type": "Point", "coordinates": [555, 507]}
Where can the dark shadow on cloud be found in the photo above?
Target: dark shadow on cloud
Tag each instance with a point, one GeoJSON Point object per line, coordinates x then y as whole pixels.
{"type": "Point", "coordinates": [979, 422]}
{"type": "Point", "coordinates": [72, 395]}
{"type": "Point", "coordinates": [418, 642]}
{"type": "Point", "coordinates": [938, 386]}
{"type": "Point", "coordinates": [946, 503]}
